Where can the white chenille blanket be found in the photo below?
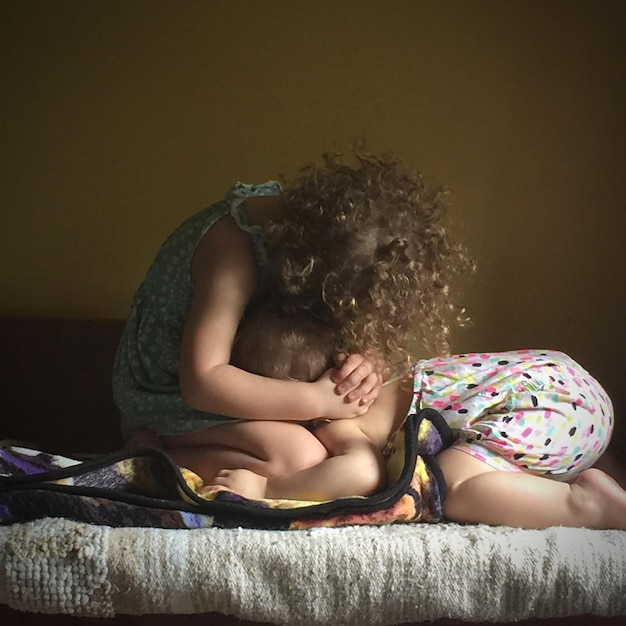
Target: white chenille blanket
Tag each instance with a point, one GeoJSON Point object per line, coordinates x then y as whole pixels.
{"type": "Point", "coordinates": [325, 576]}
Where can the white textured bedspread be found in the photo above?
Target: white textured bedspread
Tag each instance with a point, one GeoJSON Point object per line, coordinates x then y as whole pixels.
{"type": "Point", "coordinates": [352, 575]}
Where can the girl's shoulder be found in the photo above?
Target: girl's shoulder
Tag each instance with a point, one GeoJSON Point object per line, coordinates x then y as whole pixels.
{"type": "Point", "coordinates": [234, 203]}
{"type": "Point", "coordinates": [247, 206]}
{"type": "Point", "coordinates": [250, 205]}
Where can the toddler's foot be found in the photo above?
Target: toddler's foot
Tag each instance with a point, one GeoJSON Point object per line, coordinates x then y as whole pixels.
{"type": "Point", "coordinates": [608, 497]}
{"type": "Point", "coordinates": [242, 481]}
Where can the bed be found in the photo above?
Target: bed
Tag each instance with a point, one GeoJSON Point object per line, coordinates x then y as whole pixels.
{"type": "Point", "coordinates": [56, 393]}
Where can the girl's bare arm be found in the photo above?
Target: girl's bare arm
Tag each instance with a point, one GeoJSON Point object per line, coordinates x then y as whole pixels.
{"type": "Point", "coordinates": [224, 277]}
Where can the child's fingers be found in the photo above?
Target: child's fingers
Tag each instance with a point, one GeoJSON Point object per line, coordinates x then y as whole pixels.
{"type": "Point", "coordinates": [354, 379]}
{"type": "Point", "coordinates": [209, 489]}
{"type": "Point", "coordinates": [346, 366]}
{"type": "Point", "coordinates": [367, 391]}
{"type": "Point", "coordinates": [339, 358]}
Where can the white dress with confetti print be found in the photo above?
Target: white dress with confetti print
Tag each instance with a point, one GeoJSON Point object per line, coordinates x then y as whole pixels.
{"type": "Point", "coordinates": [529, 410]}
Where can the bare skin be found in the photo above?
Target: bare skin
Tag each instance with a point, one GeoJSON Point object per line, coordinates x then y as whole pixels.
{"type": "Point", "coordinates": [253, 446]}
{"type": "Point", "coordinates": [266, 447]}
{"type": "Point", "coordinates": [355, 443]}
{"type": "Point", "coordinates": [477, 493]}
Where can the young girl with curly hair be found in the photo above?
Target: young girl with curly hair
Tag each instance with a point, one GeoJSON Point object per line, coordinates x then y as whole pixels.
{"type": "Point", "coordinates": [360, 248]}
{"type": "Point", "coordinates": [529, 425]}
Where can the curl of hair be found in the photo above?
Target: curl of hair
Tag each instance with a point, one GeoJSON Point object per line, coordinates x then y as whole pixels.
{"type": "Point", "coordinates": [364, 250]}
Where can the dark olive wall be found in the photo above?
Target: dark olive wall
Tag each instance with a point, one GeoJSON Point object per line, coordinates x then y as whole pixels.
{"type": "Point", "coordinates": [120, 118]}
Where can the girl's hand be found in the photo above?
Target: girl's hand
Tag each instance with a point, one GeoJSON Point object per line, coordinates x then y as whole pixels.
{"type": "Point", "coordinates": [356, 379]}
{"type": "Point", "coordinates": [334, 406]}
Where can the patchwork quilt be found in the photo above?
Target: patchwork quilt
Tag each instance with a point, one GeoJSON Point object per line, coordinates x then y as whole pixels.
{"type": "Point", "coordinates": [144, 488]}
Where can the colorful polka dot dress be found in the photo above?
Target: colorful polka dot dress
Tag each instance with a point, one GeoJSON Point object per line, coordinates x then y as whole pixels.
{"type": "Point", "coordinates": [529, 410]}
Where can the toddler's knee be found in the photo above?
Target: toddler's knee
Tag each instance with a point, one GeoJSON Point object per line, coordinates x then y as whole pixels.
{"type": "Point", "coordinates": [313, 455]}
{"type": "Point", "coordinates": [299, 456]}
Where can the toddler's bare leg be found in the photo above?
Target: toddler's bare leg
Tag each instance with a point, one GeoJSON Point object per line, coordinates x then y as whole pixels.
{"type": "Point", "coordinates": [265, 448]}
{"type": "Point", "coordinates": [478, 493]}
{"type": "Point", "coordinates": [609, 464]}
{"type": "Point", "coordinates": [355, 467]}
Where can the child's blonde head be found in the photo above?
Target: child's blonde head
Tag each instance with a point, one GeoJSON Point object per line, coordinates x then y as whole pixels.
{"type": "Point", "coordinates": [271, 343]}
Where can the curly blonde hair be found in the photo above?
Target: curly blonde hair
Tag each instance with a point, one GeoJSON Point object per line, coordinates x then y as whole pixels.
{"type": "Point", "coordinates": [364, 250]}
